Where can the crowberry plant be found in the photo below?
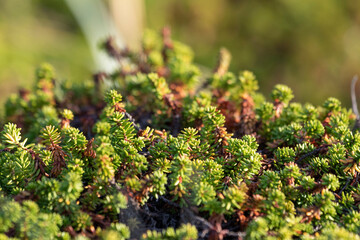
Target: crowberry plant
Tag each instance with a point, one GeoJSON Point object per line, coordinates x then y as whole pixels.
{"type": "Point", "coordinates": [160, 150]}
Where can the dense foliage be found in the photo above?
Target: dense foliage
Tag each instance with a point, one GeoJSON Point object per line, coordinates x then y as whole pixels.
{"type": "Point", "coordinates": [156, 150]}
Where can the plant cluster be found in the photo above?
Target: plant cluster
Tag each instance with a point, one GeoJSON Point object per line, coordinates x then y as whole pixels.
{"type": "Point", "coordinates": [157, 150]}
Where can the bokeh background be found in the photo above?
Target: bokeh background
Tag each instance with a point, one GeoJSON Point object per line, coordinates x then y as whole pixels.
{"type": "Point", "coordinates": [311, 46]}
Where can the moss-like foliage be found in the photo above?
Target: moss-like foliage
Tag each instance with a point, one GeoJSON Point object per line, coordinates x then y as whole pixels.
{"type": "Point", "coordinates": [159, 150]}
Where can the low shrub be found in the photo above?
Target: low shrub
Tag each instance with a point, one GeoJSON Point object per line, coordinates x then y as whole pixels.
{"type": "Point", "coordinates": [161, 150]}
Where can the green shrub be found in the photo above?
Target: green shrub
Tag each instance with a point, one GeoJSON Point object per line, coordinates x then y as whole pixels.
{"type": "Point", "coordinates": [157, 151]}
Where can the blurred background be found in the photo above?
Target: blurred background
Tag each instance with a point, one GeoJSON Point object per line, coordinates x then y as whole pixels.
{"type": "Point", "coordinates": [311, 46]}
